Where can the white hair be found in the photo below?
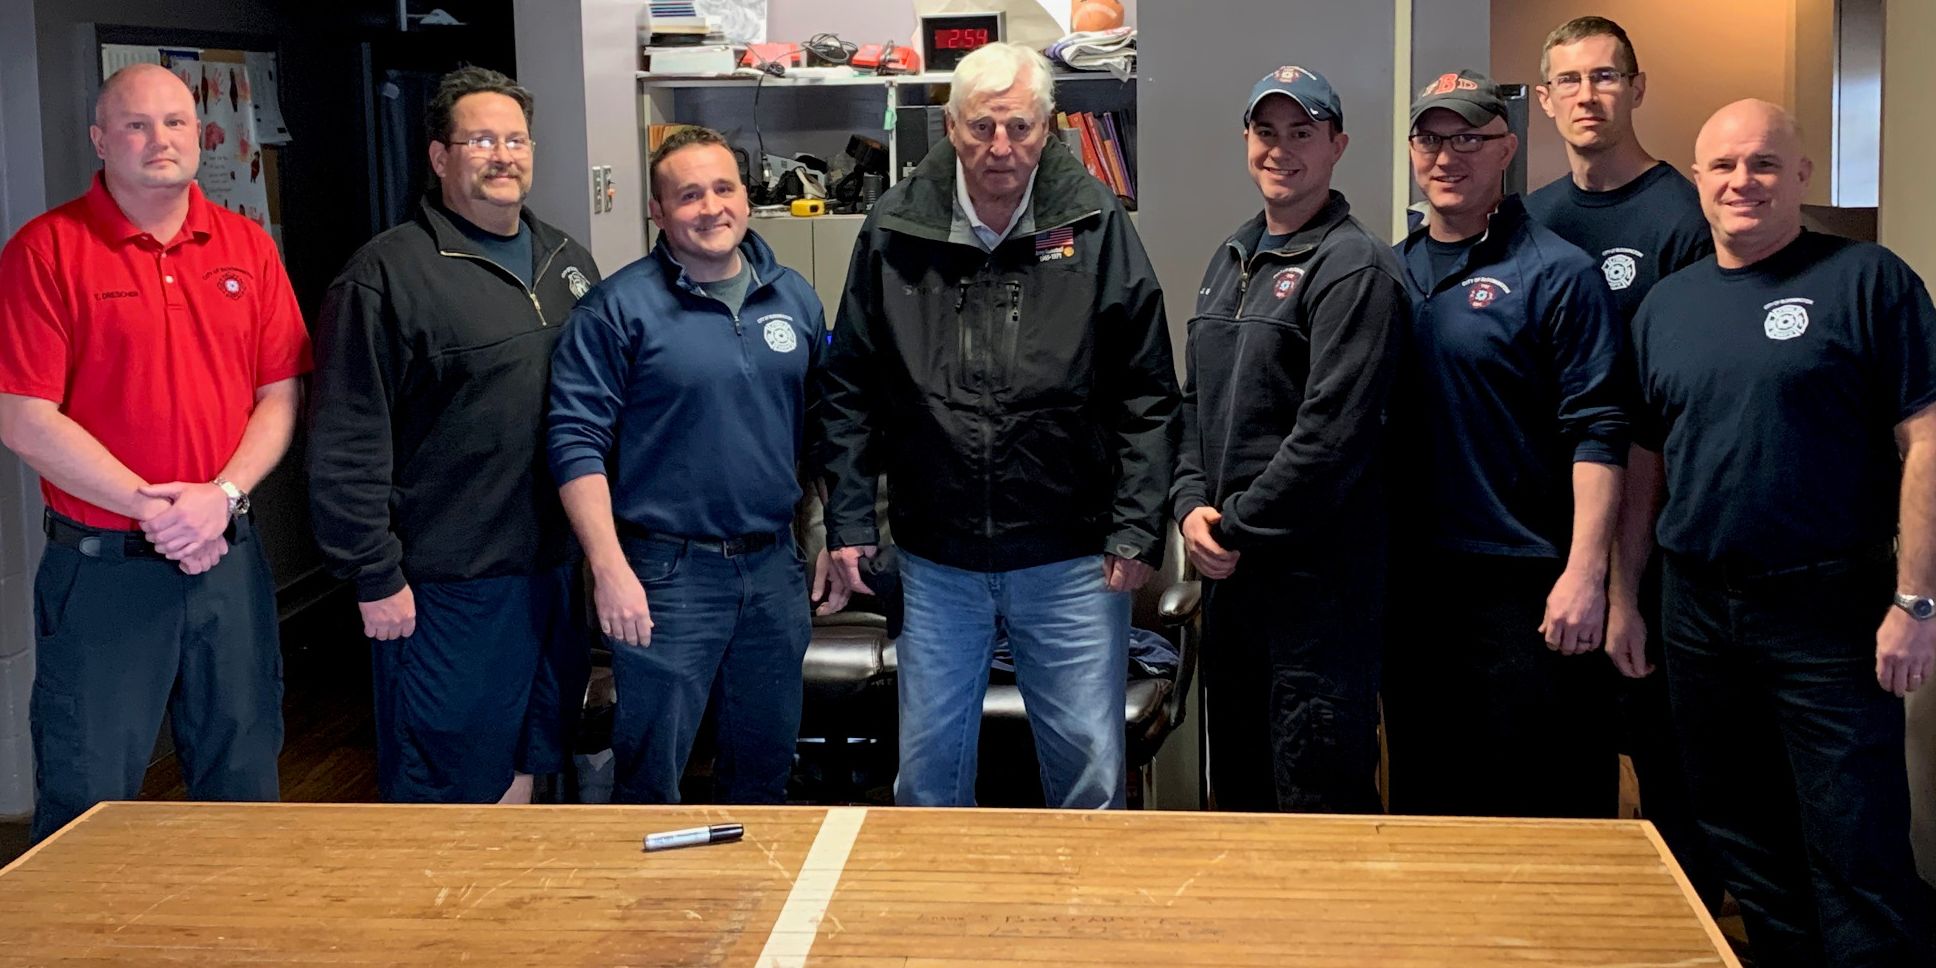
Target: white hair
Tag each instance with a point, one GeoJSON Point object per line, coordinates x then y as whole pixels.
{"type": "Point", "coordinates": [995, 68]}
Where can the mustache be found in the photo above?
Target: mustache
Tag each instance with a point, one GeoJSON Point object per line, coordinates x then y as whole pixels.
{"type": "Point", "coordinates": [494, 171]}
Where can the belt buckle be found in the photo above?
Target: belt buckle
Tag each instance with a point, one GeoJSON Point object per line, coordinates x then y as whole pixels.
{"type": "Point", "coordinates": [732, 547]}
{"type": "Point", "coordinates": [89, 546]}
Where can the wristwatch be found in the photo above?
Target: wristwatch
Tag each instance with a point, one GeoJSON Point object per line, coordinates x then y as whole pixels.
{"type": "Point", "coordinates": [238, 498]}
{"type": "Point", "coordinates": [1920, 607]}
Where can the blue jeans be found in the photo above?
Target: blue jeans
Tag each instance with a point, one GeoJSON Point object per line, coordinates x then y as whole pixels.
{"type": "Point", "coordinates": [728, 629]}
{"type": "Point", "coordinates": [1070, 636]}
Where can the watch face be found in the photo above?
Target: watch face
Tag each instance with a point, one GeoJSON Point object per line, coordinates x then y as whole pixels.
{"type": "Point", "coordinates": [1923, 608]}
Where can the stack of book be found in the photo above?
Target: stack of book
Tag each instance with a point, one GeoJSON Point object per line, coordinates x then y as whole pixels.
{"type": "Point", "coordinates": [1106, 143]}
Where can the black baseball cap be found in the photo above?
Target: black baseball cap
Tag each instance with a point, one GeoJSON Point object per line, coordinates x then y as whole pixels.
{"type": "Point", "coordinates": [1469, 94]}
{"type": "Point", "coordinates": [1305, 86]}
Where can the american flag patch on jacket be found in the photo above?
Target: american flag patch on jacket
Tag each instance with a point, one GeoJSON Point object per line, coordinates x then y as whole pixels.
{"type": "Point", "coordinates": [1055, 244]}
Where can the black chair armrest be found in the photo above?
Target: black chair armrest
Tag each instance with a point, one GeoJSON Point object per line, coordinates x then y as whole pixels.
{"type": "Point", "coordinates": [869, 620]}
{"type": "Point", "coordinates": [1180, 601]}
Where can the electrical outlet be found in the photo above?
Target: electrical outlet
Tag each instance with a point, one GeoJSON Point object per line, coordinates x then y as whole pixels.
{"type": "Point", "coordinates": [611, 189]}
{"type": "Point", "coordinates": [598, 189]}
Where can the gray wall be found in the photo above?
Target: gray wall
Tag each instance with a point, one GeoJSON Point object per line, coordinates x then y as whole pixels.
{"type": "Point", "coordinates": [22, 196]}
{"type": "Point", "coordinates": [1190, 109]}
{"type": "Point", "coordinates": [580, 58]}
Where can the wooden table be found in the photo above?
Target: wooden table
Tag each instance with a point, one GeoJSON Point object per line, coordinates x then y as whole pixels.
{"type": "Point", "coordinates": [210, 884]}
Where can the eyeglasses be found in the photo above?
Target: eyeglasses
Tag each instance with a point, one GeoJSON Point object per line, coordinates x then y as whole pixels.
{"type": "Point", "coordinates": [485, 144]}
{"type": "Point", "coordinates": [1465, 142]}
{"type": "Point", "coordinates": [1604, 79]}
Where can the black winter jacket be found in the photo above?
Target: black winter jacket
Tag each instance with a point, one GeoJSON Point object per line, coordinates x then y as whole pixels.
{"type": "Point", "coordinates": [1289, 371]}
{"type": "Point", "coordinates": [427, 411]}
{"type": "Point", "coordinates": [1022, 402]}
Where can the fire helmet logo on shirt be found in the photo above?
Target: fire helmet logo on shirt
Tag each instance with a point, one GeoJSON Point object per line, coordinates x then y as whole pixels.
{"type": "Point", "coordinates": [1286, 280]}
{"type": "Point", "coordinates": [778, 330]}
{"type": "Point", "coordinates": [1483, 291]}
{"type": "Point", "coordinates": [231, 284]}
{"type": "Point", "coordinates": [1620, 268]}
{"type": "Point", "coordinates": [1787, 318]}
{"type": "Point", "coordinates": [576, 281]}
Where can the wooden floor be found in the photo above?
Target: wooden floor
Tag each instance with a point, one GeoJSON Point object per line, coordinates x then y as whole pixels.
{"type": "Point", "coordinates": [847, 888]}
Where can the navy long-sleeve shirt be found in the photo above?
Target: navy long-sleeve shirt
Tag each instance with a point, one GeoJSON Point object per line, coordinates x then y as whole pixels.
{"type": "Point", "coordinates": [695, 413]}
{"type": "Point", "coordinates": [1518, 368]}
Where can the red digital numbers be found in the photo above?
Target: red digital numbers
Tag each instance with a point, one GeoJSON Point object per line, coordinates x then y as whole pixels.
{"type": "Point", "coordinates": [961, 38]}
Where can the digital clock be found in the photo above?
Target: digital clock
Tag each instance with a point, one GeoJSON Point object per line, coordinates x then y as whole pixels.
{"type": "Point", "coordinates": [948, 37]}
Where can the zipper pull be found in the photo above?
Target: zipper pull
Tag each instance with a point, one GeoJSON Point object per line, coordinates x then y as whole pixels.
{"type": "Point", "coordinates": [1015, 302]}
{"type": "Point", "coordinates": [961, 295]}
{"type": "Point", "coordinates": [736, 329]}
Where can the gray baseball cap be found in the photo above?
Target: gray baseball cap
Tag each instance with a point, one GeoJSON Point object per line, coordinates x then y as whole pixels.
{"type": "Point", "coordinates": [1469, 94]}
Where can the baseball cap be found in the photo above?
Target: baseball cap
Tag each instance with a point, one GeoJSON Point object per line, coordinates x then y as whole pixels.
{"type": "Point", "coordinates": [1305, 86]}
{"type": "Point", "coordinates": [1469, 94]}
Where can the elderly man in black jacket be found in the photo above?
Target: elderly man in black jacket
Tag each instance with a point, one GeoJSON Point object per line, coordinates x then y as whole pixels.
{"type": "Point", "coordinates": [1001, 355]}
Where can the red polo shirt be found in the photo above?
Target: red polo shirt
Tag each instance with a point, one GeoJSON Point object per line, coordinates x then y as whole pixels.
{"type": "Point", "coordinates": [155, 349]}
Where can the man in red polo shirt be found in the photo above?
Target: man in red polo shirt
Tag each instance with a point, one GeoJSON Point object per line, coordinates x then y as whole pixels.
{"type": "Point", "coordinates": [149, 354]}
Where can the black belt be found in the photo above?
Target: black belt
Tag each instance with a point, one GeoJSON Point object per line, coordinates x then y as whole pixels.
{"type": "Point", "coordinates": [1738, 572]}
{"type": "Point", "coordinates": [744, 544]}
{"type": "Point", "coordinates": [105, 542]}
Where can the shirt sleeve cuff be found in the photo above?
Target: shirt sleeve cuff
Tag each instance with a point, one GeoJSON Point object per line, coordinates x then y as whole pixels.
{"type": "Point", "coordinates": [853, 536]}
{"type": "Point", "coordinates": [1185, 503]}
{"type": "Point", "coordinates": [1135, 545]}
{"type": "Point", "coordinates": [573, 468]}
{"type": "Point", "coordinates": [1599, 452]}
{"type": "Point", "coordinates": [380, 585]}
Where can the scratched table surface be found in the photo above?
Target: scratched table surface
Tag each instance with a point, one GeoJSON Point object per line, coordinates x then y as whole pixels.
{"type": "Point", "coordinates": [259, 884]}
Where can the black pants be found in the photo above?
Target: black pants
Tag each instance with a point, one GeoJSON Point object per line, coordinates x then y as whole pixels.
{"type": "Point", "coordinates": [1291, 663]}
{"type": "Point", "coordinates": [1481, 718]}
{"type": "Point", "coordinates": [487, 686]}
{"type": "Point", "coordinates": [1646, 734]}
{"type": "Point", "coordinates": [123, 635]}
{"type": "Point", "coordinates": [1795, 757]}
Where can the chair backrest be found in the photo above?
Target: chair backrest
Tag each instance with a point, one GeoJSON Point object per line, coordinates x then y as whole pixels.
{"type": "Point", "coordinates": [1144, 612]}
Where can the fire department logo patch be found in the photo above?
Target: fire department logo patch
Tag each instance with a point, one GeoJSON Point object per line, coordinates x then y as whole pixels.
{"type": "Point", "coordinates": [1620, 268]}
{"type": "Point", "coordinates": [1289, 75]}
{"type": "Point", "coordinates": [778, 331]}
{"type": "Point", "coordinates": [576, 282]}
{"type": "Point", "coordinates": [231, 285]}
{"type": "Point", "coordinates": [1483, 291]}
{"type": "Point", "coordinates": [1285, 281]}
{"type": "Point", "coordinates": [1787, 318]}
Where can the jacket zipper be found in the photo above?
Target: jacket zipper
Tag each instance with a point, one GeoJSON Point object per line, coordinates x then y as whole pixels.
{"type": "Point", "coordinates": [1243, 268]}
{"type": "Point", "coordinates": [739, 334]}
{"type": "Point", "coordinates": [529, 293]}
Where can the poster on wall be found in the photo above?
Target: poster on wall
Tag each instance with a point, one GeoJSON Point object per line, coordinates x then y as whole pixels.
{"type": "Point", "coordinates": [231, 174]}
{"type": "Point", "coordinates": [264, 85]}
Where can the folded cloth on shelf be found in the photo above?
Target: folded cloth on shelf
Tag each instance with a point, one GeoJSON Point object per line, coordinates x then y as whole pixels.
{"type": "Point", "coordinates": [1097, 50]}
